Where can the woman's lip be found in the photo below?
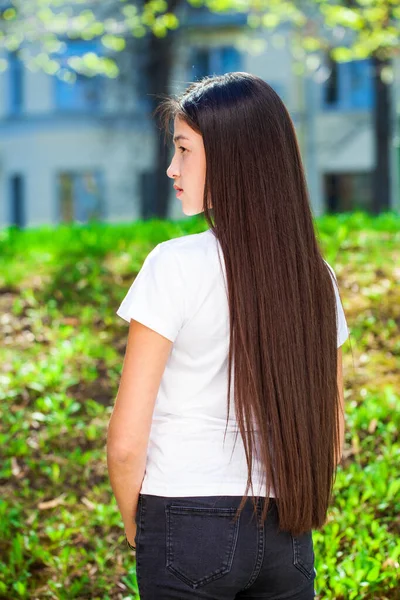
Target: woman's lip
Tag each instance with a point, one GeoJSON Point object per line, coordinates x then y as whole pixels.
{"type": "Point", "coordinates": [178, 193]}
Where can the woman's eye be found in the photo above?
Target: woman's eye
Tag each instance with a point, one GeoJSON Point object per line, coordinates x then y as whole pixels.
{"type": "Point", "coordinates": [182, 148]}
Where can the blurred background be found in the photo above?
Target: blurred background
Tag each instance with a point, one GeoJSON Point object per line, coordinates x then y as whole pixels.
{"type": "Point", "coordinates": [79, 80]}
{"type": "Point", "coordinates": [84, 197]}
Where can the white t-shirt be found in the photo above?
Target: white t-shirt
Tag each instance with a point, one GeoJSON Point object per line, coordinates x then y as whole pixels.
{"type": "Point", "coordinates": [180, 293]}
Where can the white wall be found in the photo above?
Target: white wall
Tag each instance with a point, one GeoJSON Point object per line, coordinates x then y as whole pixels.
{"type": "Point", "coordinates": [39, 156]}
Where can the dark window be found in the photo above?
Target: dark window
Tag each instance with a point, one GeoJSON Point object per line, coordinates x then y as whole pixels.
{"type": "Point", "coordinates": [348, 192]}
{"type": "Point", "coordinates": [211, 60]}
{"type": "Point", "coordinates": [331, 91]}
{"type": "Point", "coordinates": [349, 86]}
{"type": "Point", "coordinates": [200, 63]}
{"type": "Point", "coordinates": [16, 83]}
{"type": "Point", "coordinates": [17, 200]}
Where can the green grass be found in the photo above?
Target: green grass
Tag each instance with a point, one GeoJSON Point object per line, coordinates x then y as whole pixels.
{"type": "Point", "coordinates": [60, 532]}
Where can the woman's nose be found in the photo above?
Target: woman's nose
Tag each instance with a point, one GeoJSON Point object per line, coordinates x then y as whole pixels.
{"type": "Point", "coordinates": [172, 170]}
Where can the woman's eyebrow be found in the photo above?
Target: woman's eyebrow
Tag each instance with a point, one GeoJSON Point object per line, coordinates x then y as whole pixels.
{"type": "Point", "coordinates": [180, 137]}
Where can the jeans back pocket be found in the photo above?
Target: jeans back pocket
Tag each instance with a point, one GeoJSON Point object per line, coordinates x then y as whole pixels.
{"type": "Point", "coordinates": [303, 553]}
{"type": "Point", "coordinates": [201, 542]}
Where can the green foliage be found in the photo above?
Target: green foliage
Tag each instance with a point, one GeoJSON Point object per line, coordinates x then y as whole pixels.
{"type": "Point", "coordinates": [61, 534]}
{"type": "Point", "coordinates": [373, 26]}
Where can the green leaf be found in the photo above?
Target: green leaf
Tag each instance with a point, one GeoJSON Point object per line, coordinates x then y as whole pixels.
{"type": "Point", "coordinates": [113, 42]}
{"type": "Point", "coordinates": [270, 20]}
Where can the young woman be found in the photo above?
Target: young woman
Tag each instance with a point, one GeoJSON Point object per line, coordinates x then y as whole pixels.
{"type": "Point", "coordinates": [232, 377]}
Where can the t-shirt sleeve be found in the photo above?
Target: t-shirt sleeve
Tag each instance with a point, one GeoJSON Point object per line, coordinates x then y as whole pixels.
{"type": "Point", "coordinates": [155, 297]}
{"type": "Point", "coordinates": [342, 329]}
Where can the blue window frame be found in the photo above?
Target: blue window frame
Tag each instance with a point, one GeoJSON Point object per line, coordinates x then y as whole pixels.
{"type": "Point", "coordinates": [211, 60]}
{"type": "Point", "coordinates": [85, 94]}
{"type": "Point", "coordinates": [349, 87]}
{"type": "Point", "coordinates": [16, 83]}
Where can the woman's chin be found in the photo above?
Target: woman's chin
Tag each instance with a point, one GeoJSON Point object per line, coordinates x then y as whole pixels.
{"type": "Point", "coordinates": [190, 212]}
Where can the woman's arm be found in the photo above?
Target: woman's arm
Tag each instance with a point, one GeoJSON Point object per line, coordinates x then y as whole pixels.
{"type": "Point", "coordinates": [130, 423]}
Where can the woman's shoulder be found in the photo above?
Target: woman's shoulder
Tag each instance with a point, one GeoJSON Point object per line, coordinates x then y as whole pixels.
{"type": "Point", "coordinates": [189, 242]}
{"type": "Point", "coordinates": [192, 257]}
{"type": "Point", "coordinates": [190, 250]}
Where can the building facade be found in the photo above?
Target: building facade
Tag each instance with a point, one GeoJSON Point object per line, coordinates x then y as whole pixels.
{"type": "Point", "coordinates": [82, 151]}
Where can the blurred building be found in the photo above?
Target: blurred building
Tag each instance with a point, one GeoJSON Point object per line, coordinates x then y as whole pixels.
{"type": "Point", "coordinates": [74, 152]}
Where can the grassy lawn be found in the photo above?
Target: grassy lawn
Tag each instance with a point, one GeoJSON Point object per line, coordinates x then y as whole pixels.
{"type": "Point", "coordinates": [60, 360]}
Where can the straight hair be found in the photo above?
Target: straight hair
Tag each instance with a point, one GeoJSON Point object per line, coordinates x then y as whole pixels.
{"type": "Point", "coordinates": [282, 307]}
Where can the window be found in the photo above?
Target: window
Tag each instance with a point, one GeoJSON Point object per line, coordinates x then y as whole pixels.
{"type": "Point", "coordinates": [16, 83]}
{"type": "Point", "coordinates": [226, 60]}
{"type": "Point", "coordinates": [360, 83]}
{"type": "Point", "coordinates": [213, 61]}
{"type": "Point", "coordinates": [201, 63]}
{"type": "Point", "coordinates": [80, 196]}
{"type": "Point", "coordinates": [348, 192]}
{"type": "Point", "coordinates": [332, 88]}
{"type": "Point", "coordinates": [17, 203]}
{"type": "Point", "coordinates": [350, 86]}
{"type": "Point", "coordinates": [86, 92]}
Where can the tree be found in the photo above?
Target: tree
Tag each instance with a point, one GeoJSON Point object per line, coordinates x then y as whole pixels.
{"type": "Point", "coordinates": [346, 29]}
{"type": "Point", "coordinates": [158, 66]}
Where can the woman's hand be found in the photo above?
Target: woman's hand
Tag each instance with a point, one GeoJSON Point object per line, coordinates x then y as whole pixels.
{"type": "Point", "coordinates": [131, 534]}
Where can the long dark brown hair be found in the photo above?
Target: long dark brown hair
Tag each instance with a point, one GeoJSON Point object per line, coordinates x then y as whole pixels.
{"type": "Point", "coordinates": [283, 327]}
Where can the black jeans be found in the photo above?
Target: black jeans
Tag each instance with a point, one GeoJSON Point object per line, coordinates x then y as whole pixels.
{"type": "Point", "coordinates": [190, 547]}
